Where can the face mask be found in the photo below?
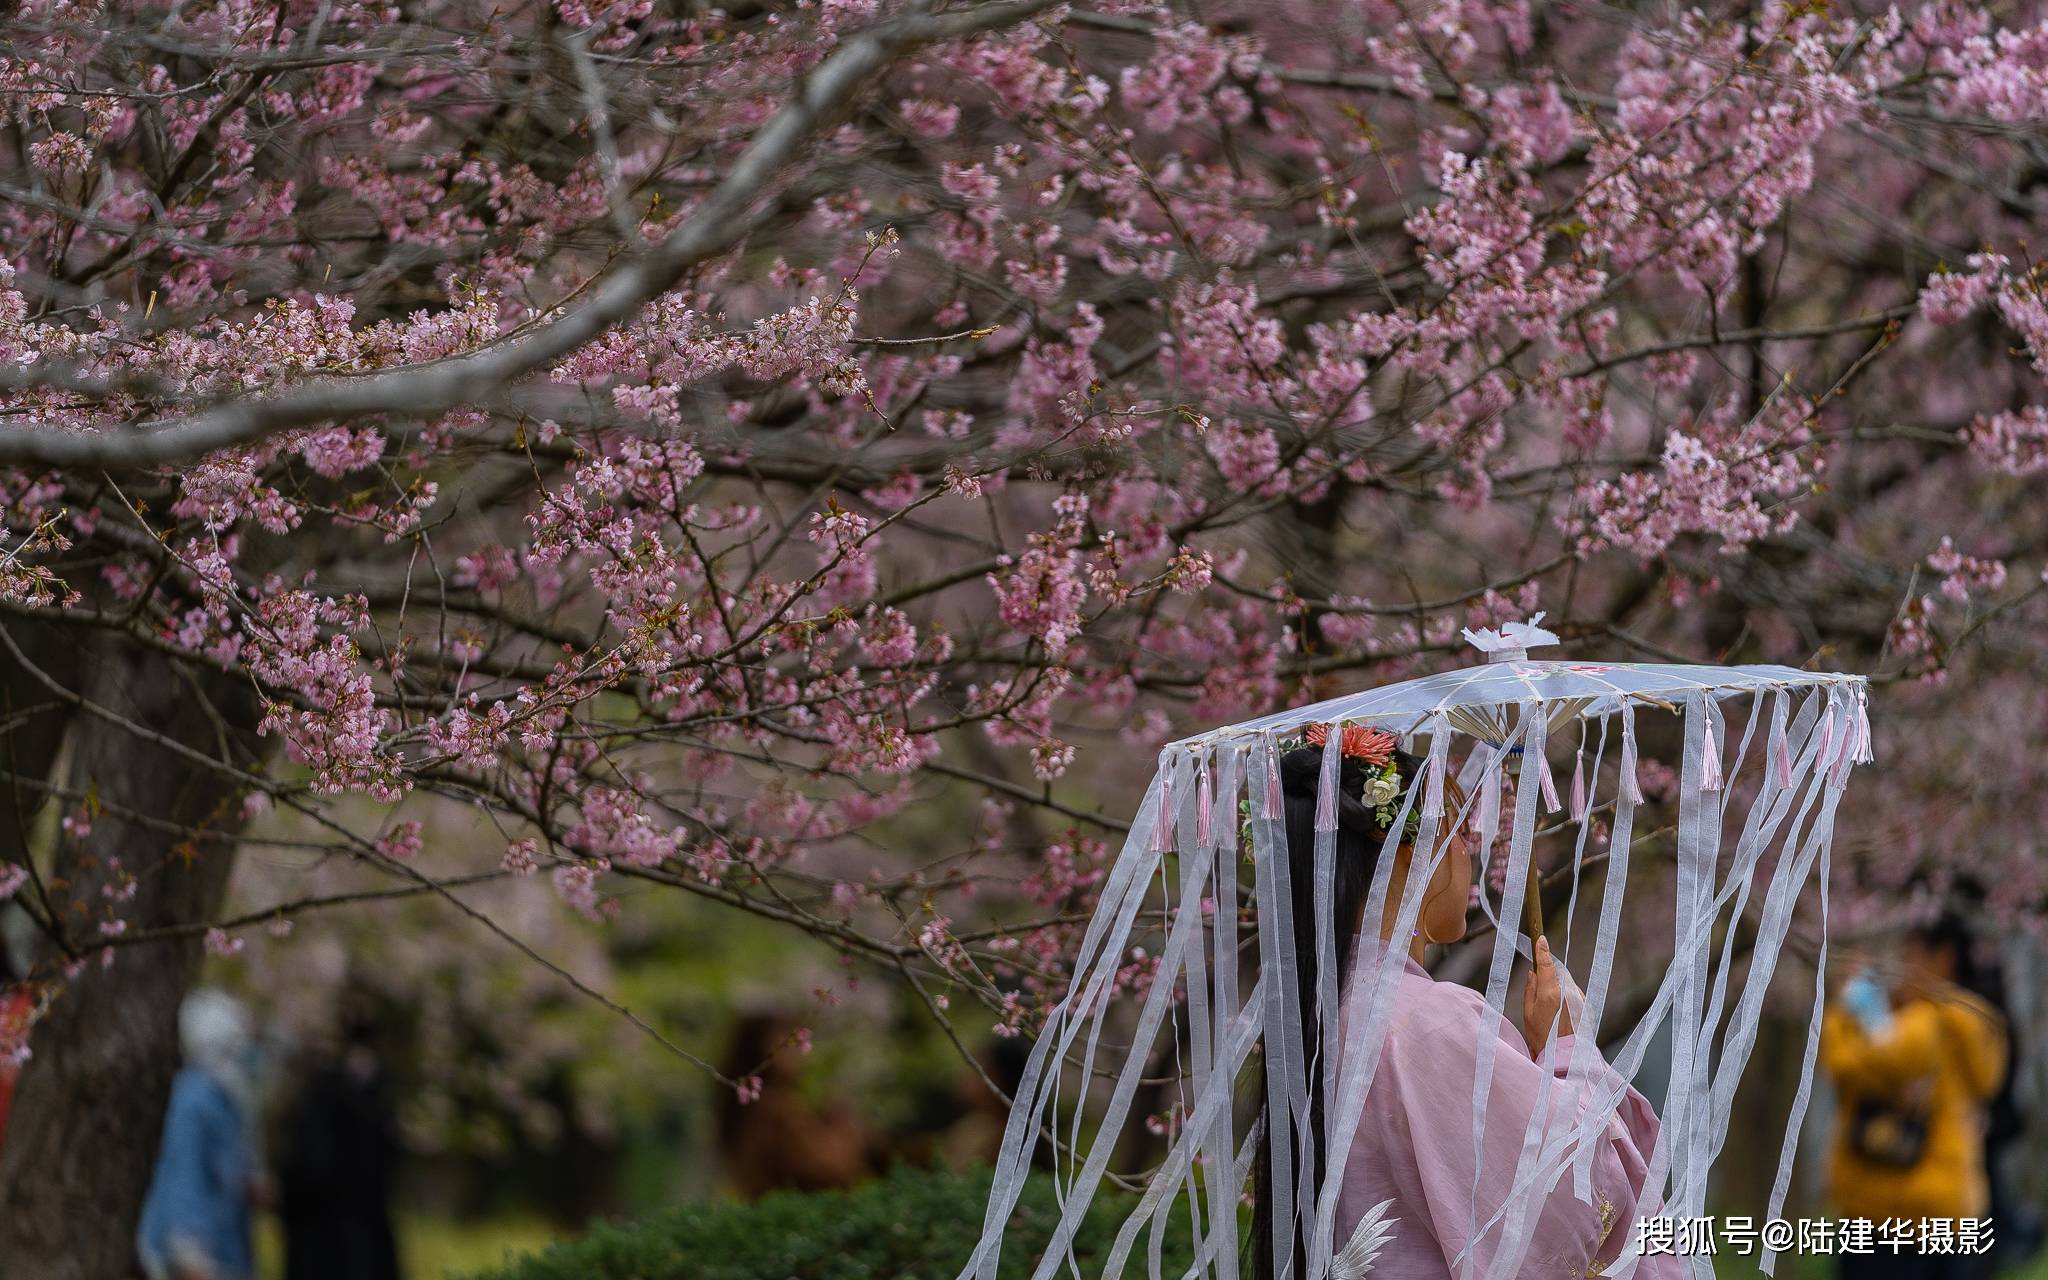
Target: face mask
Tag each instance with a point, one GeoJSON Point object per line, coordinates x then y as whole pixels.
{"type": "Point", "coordinates": [1864, 997]}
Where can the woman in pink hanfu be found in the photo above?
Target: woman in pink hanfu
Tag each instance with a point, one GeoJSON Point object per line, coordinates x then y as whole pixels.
{"type": "Point", "coordinates": [1410, 1169]}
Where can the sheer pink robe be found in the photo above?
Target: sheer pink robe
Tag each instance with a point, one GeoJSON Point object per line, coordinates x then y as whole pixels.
{"type": "Point", "coordinates": [1414, 1146]}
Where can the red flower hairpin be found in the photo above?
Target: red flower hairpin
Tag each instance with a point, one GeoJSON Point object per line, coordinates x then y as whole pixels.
{"type": "Point", "coordinates": [1360, 742]}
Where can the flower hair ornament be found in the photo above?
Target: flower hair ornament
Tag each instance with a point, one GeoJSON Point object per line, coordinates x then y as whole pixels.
{"type": "Point", "coordinates": [1377, 757]}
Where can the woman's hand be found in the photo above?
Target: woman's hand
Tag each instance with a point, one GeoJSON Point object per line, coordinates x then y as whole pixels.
{"type": "Point", "coordinates": [1543, 1001]}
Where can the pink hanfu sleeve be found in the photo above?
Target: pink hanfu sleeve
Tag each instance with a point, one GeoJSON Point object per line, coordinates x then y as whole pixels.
{"type": "Point", "coordinates": [1430, 1069]}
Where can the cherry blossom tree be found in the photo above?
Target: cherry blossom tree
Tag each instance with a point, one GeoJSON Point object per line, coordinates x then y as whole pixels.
{"type": "Point", "coordinates": [695, 442]}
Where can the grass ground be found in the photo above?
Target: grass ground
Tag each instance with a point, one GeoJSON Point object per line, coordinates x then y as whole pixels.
{"type": "Point", "coordinates": [434, 1248]}
{"type": "Point", "coordinates": [440, 1249]}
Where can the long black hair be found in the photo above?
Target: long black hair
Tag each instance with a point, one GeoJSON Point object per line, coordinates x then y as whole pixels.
{"type": "Point", "coordinates": [1358, 840]}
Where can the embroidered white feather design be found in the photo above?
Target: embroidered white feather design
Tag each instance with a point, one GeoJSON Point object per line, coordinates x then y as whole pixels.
{"type": "Point", "coordinates": [1374, 1230]}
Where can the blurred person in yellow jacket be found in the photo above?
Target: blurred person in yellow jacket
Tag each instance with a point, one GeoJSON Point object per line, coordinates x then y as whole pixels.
{"type": "Point", "coordinates": [1915, 1061]}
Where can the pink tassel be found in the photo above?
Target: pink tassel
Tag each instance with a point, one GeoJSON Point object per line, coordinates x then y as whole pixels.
{"type": "Point", "coordinates": [1710, 759]}
{"type": "Point", "coordinates": [1162, 831]}
{"type": "Point", "coordinates": [1433, 795]}
{"type": "Point", "coordinates": [1827, 735]}
{"type": "Point", "coordinates": [1202, 825]}
{"type": "Point", "coordinates": [1550, 804]}
{"type": "Point", "coordinates": [1327, 779]}
{"type": "Point", "coordinates": [1489, 798]}
{"type": "Point", "coordinates": [1781, 750]}
{"type": "Point", "coordinates": [1273, 806]}
{"type": "Point", "coordinates": [1631, 786]}
{"type": "Point", "coordinates": [1579, 784]}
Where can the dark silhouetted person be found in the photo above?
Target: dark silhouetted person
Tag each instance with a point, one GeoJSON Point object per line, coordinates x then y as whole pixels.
{"type": "Point", "coordinates": [340, 1153]}
{"type": "Point", "coordinates": [979, 1115]}
{"type": "Point", "coordinates": [779, 1139]}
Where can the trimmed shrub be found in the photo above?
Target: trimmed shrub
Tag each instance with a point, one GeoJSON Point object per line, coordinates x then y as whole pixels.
{"type": "Point", "coordinates": [911, 1225]}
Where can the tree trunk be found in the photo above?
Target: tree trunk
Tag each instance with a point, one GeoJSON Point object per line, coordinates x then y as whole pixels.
{"type": "Point", "coordinates": [88, 1111]}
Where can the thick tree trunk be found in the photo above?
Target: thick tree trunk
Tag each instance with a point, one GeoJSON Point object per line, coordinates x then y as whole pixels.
{"type": "Point", "coordinates": [33, 718]}
{"type": "Point", "coordinates": [81, 1143]}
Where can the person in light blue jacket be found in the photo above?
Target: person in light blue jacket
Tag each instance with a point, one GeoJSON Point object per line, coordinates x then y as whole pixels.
{"type": "Point", "coordinates": [195, 1222]}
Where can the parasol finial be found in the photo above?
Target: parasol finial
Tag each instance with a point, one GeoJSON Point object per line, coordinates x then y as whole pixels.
{"type": "Point", "coordinates": [1512, 642]}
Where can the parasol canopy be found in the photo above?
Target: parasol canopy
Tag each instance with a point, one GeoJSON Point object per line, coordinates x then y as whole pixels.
{"type": "Point", "coordinates": [1204, 877]}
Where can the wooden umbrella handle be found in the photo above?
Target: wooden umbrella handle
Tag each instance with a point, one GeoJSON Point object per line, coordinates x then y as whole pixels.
{"type": "Point", "coordinates": [1532, 905]}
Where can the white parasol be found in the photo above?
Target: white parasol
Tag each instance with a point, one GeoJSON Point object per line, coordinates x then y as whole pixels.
{"type": "Point", "coordinates": [1755, 814]}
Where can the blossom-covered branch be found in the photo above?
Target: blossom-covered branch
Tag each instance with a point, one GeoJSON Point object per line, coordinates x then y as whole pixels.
{"type": "Point", "coordinates": [435, 386]}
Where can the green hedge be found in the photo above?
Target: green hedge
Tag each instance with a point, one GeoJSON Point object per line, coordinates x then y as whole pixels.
{"type": "Point", "coordinates": [912, 1225]}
